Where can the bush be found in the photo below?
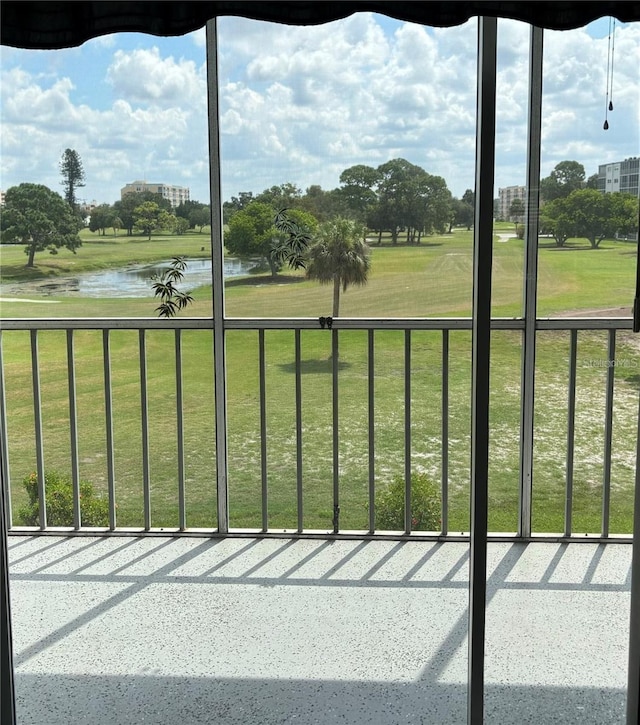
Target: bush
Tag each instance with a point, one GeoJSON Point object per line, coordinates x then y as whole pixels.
{"type": "Point", "coordinates": [425, 505]}
{"type": "Point", "coordinates": [94, 510]}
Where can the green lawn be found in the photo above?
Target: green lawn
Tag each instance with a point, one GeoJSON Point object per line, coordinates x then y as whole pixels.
{"type": "Point", "coordinates": [430, 280]}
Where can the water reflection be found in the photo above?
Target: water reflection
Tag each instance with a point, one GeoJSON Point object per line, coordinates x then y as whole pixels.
{"type": "Point", "coordinates": [137, 281]}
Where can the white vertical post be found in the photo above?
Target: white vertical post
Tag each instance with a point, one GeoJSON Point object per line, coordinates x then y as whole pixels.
{"type": "Point", "coordinates": [530, 280]}
{"type": "Point", "coordinates": [481, 350]}
{"type": "Point", "coordinates": [7, 689]}
{"type": "Point", "coordinates": [633, 687]}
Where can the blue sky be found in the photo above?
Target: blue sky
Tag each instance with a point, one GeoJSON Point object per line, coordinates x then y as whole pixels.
{"type": "Point", "coordinates": [302, 104]}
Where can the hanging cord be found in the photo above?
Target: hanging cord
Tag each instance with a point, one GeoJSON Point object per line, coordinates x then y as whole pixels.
{"type": "Point", "coordinates": [613, 55]}
{"type": "Point", "coordinates": [610, 57]}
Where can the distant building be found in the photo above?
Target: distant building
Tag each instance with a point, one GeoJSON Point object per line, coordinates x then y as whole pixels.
{"type": "Point", "coordinates": [506, 196]}
{"type": "Point", "coordinates": [620, 176]}
{"type": "Point", "coordinates": [1, 198]}
{"type": "Point", "coordinates": [176, 195]}
{"type": "Point", "coordinates": [86, 207]}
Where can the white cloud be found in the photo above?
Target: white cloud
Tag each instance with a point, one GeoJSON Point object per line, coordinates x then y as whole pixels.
{"type": "Point", "coordinates": [301, 104]}
{"type": "Point", "coordinates": [114, 144]}
{"type": "Point", "coordinates": [199, 38]}
{"type": "Point", "coordinates": [144, 76]}
{"type": "Point", "coordinates": [347, 93]}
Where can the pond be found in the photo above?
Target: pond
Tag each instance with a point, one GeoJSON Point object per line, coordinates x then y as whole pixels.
{"type": "Point", "coordinates": [134, 281]}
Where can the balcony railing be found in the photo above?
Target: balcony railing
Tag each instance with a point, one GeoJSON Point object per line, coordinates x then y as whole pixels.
{"type": "Point", "coordinates": [98, 408]}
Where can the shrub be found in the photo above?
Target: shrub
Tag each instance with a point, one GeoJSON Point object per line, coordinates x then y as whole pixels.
{"type": "Point", "coordinates": [94, 510]}
{"type": "Point", "coordinates": [425, 505]}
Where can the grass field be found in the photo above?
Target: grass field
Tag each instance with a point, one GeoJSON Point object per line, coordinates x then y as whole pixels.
{"type": "Point", "coordinates": [430, 280]}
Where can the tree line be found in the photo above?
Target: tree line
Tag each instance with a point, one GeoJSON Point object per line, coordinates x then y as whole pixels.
{"type": "Point", "coordinates": [398, 198]}
{"type": "Point", "coordinates": [146, 212]}
{"type": "Point", "coordinates": [572, 207]}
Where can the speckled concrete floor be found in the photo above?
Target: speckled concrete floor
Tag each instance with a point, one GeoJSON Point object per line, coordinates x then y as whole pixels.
{"type": "Point", "coordinates": [266, 631]}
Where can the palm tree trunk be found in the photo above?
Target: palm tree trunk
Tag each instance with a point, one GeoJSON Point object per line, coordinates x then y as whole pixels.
{"type": "Point", "coordinates": [336, 296]}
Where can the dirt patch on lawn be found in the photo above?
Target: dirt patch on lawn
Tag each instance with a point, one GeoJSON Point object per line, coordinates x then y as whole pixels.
{"type": "Point", "coordinates": [601, 312]}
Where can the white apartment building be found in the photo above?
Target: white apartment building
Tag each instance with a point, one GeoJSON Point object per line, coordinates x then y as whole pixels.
{"type": "Point", "coordinates": [506, 196]}
{"type": "Point", "coordinates": [175, 194]}
{"type": "Point", "coordinates": [620, 176]}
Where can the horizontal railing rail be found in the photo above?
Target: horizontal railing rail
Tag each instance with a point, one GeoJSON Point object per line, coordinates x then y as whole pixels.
{"type": "Point", "coordinates": [311, 323]}
{"type": "Point", "coordinates": [264, 403]}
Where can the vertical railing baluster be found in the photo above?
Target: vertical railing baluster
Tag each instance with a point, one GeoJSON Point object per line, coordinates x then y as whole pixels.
{"type": "Point", "coordinates": [571, 427]}
{"type": "Point", "coordinates": [73, 432]}
{"type": "Point", "coordinates": [372, 459]}
{"type": "Point", "coordinates": [336, 452]}
{"type": "Point", "coordinates": [37, 417]}
{"type": "Point", "coordinates": [263, 431]}
{"type": "Point", "coordinates": [4, 443]}
{"type": "Point", "coordinates": [144, 419]}
{"type": "Point", "coordinates": [407, 431]}
{"type": "Point", "coordinates": [108, 414]}
{"type": "Point", "coordinates": [299, 432]}
{"type": "Point", "coordinates": [608, 430]}
{"type": "Point", "coordinates": [444, 529]}
{"type": "Point", "coordinates": [182, 509]}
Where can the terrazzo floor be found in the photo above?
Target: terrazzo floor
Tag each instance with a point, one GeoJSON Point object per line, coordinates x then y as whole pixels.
{"type": "Point", "coordinates": [184, 631]}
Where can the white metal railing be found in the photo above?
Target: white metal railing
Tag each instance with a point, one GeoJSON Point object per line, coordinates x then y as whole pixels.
{"type": "Point", "coordinates": [407, 326]}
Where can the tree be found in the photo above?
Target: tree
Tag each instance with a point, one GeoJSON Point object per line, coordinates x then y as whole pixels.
{"type": "Point", "coordinates": [436, 201]}
{"type": "Point", "coordinates": [567, 176]}
{"type": "Point", "coordinates": [555, 220]}
{"type": "Point", "coordinates": [592, 182]}
{"type": "Point", "coordinates": [409, 198]}
{"type": "Point", "coordinates": [596, 216]}
{"type": "Point", "coordinates": [357, 190]}
{"type": "Point", "coordinates": [463, 214]}
{"type": "Point", "coordinates": [280, 197]}
{"type": "Point", "coordinates": [397, 194]}
{"type": "Point", "coordinates": [323, 205]}
{"type": "Point", "coordinates": [101, 217]}
{"type": "Point", "coordinates": [180, 225]}
{"type": "Point", "coordinates": [200, 217]}
{"type": "Point", "coordinates": [185, 208]}
{"type": "Point", "coordinates": [626, 213]}
{"type": "Point", "coordinates": [237, 203]}
{"type": "Point", "coordinates": [40, 219]}
{"type": "Point", "coordinates": [72, 176]}
{"type": "Point", "coordinates": [516, 211]}
{"type": "Point", "coordinates": [469, 197]}
{"type": "Point", "coordinates": [149, 217]}
{"type": "Point", "coordinates": [252, 233]}
{"type": "Point", "coordinates": [339, 256]}
{"type": "Point", "coordinates": [125, 207]}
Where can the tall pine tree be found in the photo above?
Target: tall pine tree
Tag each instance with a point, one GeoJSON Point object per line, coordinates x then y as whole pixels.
{"type": "Point", "coordinates": [72, 175]}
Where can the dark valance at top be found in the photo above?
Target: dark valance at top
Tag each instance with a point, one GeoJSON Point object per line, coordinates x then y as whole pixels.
{"type": "Point", "coordinates": [66, 24]}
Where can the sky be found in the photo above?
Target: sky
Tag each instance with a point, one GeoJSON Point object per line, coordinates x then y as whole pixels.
{"type": "Point", "coordinates": [301, 104]}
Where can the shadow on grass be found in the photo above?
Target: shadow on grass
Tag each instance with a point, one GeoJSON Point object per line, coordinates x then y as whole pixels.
{"type": "Point", "coordinates": [565, 247]}
{"type": "Point", "coordinates": [403, 244]}
{"type": "Point", "coordinates": [265, 279]}
{"type": "Point", "coordinates": [633, 380]}
{"type": "Point", "coordinates": [314, 366]}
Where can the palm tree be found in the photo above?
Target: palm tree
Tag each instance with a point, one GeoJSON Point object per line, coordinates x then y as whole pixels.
{"type": "Point", "coordinates": [339, 255]}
